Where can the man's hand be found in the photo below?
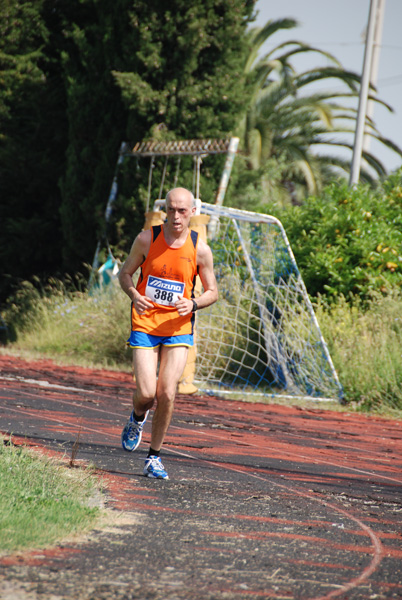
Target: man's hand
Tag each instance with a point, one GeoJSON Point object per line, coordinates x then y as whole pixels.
{"type": "Point", "coordinates": [184, 306]}
{"type": "Point", "coordinates": [142, 303]}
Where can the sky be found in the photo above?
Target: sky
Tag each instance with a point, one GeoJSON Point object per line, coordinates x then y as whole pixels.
{"type": "Point", "coordinates": [338, 27]}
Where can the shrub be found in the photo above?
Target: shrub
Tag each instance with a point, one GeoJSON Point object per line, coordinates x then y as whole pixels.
{"type": "Point", "coordinates": [349, 241]}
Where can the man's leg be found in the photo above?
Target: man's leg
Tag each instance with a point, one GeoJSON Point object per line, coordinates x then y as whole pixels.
{"type": "Point", "coordinates": [145, 361]}
{"type": "Point", "coordinates": [172, 362]}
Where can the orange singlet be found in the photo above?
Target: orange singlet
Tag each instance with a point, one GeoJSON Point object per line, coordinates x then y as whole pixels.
{"type": "Point", "coordinates": [166, 274]}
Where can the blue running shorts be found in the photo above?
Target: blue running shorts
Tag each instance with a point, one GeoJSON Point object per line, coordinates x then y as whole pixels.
{"type": "Point", "coordinates": [139, 339]}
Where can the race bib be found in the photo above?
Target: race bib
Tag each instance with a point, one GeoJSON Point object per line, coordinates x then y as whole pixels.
{"type": "Point", "coordinates": [164, 291]}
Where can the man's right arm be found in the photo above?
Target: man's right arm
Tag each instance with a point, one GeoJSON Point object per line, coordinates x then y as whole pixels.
{"type": "Point", "coordinates": [138, 252]}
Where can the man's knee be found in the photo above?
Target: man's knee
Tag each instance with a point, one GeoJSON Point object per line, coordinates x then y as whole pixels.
{"type": "Point", "coordinates": [166, 395]}
{"type": "Point", "coordinates": [144, 401]}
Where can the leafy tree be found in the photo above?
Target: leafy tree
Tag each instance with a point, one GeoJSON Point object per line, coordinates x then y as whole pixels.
{"type": "Point", "coordinates": [81, 76]}
{"type": "Point", "coordinates": [187, 72]}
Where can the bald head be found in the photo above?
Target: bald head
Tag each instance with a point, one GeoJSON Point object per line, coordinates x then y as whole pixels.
{"type": "Point", "coordinates": [180, 207]}
{"type": "Point", "coordinates": [180, 193]}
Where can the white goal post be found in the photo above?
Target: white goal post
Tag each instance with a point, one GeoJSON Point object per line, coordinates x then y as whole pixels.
{"type": "Point", "coordinates": [262, 336]}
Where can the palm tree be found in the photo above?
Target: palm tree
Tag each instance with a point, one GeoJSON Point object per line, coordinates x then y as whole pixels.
{"type": "Point", "coordinates": [287, 121]}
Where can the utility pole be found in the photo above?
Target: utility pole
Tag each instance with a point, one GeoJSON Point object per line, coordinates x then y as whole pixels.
{"type": "Point", "coordinates": [363, 96]}
{"type": "Point", "coordinates": [379, 23]}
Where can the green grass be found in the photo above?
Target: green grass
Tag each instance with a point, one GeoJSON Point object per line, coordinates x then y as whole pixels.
{"type": "Point", "coordinates": [76, 327]}
{"type": "Point", "coordinates": [42, 501]}
{"type": "Point", "coordinates": [366, 347]}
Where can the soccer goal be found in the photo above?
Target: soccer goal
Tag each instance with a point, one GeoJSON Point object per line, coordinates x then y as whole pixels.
{"type": "Point", "coordinates": [262, 336]}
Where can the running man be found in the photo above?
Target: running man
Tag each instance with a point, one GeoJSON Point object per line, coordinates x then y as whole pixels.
{"type": "Point", "coordinates": [162, 317]}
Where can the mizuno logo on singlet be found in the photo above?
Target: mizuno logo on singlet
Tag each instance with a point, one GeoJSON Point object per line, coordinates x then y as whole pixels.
{"type": "Point", "coordinates": [169, 286]}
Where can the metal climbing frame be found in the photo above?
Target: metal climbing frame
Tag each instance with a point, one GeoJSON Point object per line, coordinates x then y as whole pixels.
{"type": "Point", "coordinates": [198, 148]}
{"type": "Point", "coordinates": [177, 147]}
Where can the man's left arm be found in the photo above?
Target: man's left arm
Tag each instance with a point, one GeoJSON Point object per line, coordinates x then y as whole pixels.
{"type": "Point", "coordinates": [205, 264]}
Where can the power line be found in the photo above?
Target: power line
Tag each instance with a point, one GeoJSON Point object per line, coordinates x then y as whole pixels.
{"type": "Point", "coordinates": [395, 79]}
{"type": "Point", "coordinates": [382, 46]}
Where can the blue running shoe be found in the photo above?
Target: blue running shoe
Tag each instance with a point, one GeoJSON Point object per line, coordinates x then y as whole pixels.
{"type": "Point", "coordinates": [154, 468]}
{"type": "Point", "coordinates": [132, 433]}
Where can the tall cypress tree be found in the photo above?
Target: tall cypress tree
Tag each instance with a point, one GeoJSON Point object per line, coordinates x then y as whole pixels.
{"type": "Point", "coordinates": [97, 122]}
{"type": "Point", "coordinates": [31, 139]}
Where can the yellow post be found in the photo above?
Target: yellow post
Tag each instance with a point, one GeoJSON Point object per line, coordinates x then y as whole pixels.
{"type": "Point", "coordinates": [186, 386]}
{"type": "Point", "coordinates": [154, 217]}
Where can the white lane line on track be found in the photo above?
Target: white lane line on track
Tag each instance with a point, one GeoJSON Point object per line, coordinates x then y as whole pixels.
{"type": "Point", "coordinates": [45, 384]}
{"type": "Point", "coordinates": [60, 422]}
{"type": "Point", "coordinates": [333, 442]}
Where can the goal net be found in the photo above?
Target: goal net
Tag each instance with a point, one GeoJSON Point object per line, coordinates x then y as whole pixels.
{"type": "Point", "coordinates": [262, 336]}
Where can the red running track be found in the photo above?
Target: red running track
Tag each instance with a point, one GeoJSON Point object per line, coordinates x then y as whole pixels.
{"type": "Point", "coordinates": [263, 500]}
